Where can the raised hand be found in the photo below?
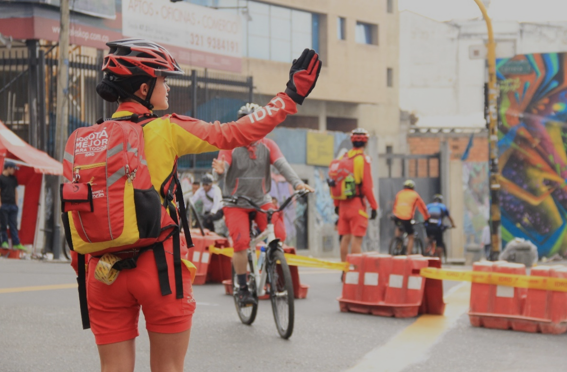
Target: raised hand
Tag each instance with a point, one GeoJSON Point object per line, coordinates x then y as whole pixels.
{"type": "Point", "coordinates": [303, 75]}
{"type": "Point", "coordinates": [218, 165]}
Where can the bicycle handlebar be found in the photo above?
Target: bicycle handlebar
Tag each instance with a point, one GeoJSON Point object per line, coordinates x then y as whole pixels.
{"type": "Point", "coordinates": [234, 199]}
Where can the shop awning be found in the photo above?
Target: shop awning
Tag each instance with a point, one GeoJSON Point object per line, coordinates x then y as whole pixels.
{"type": "Point", "coordinates": [28, 155]}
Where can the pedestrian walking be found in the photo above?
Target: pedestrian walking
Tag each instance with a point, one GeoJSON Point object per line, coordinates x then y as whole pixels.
{"type": "Point", "coordinates": [351, 186]}
{"type": "Point", "coordinates": [9, 207]}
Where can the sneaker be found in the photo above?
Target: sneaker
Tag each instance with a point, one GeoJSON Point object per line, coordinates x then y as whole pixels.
{"type": "Point", "coordinates": [20, 247]}
{"type": "Point", "coordinates": [245, 298]}
{"type": "Point", "coordinates": [5, 245]}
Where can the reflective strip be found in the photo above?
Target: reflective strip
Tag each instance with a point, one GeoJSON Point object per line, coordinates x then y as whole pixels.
{"type": "Point", "coordinates": [144, 162]}
{"type": "Point", "coordinates": [70, 158]}
{"type": "Point", "coordinates": [115, 150]}
{"type": "Point", "coordinates": [115, 177]}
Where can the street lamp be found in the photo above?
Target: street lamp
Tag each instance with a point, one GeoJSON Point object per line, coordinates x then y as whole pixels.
{"type": "Point", "coordinates": [492, 137]}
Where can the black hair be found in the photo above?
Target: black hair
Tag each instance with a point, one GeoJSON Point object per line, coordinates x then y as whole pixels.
{"type": "Point", "coordinates": [113, 88]}
{"type": "Point", "coordinates": [358, 144]}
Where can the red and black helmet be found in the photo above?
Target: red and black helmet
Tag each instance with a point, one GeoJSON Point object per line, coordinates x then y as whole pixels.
{"type": "Point", "coordinates": [139, 57]}
{"type": "Point", "coordinates": [359, 135]}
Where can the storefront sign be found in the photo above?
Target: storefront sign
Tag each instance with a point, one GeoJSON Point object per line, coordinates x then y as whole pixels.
{"type": "Point", "coordinates": [200, 35]}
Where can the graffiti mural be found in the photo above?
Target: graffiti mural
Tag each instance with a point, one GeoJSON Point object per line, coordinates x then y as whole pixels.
{"type": "Point", "coordinates": [532, 150]}
{"type": "Point", "coordinates": [476, 200]}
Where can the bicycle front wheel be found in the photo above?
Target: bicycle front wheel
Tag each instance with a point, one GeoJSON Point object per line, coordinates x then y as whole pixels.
{"type": "Point", "coordinates": [247, 314]}
{"type": "Point", "coordinates": [281, 293]}
{"type": "Point", "coordinates": [396, 247]}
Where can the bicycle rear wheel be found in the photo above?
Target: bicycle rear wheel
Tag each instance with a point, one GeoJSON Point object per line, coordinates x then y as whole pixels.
{"type": "Point", "coordinates": [417, 246]}
{"type": "Point", "coordinates": [247, 314]}
{"type": "Point", "coordinates": [396, 246]}
{"type": "Point", "coordinates": [281, 293]}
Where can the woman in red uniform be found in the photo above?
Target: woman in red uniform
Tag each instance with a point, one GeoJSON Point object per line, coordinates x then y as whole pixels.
{"type": "Point", "coordinates": [135, 76]}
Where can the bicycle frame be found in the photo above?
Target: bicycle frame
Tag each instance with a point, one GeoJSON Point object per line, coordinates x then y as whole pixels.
{"type": "Point", "coordinates": [268, 234]}
{"type": "Point", "coordinates": [260, 278]}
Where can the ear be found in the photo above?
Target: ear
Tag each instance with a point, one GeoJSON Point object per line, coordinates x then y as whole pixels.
{"type": "Point", "coordinates": [144, 89]}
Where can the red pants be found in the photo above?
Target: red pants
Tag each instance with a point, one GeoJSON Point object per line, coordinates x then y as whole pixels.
{"type": "Point", "coordinates": [114, 309]}
{"type": "Point", "coordinates": [239, 225]}
{"type": "Point", "coordinates": [353, 219]}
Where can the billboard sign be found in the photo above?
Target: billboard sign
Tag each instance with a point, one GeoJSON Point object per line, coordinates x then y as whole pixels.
{"type": "Point", "coordinates": [97, 8]}
{"type": "Point", "coordinates": [199, 35]}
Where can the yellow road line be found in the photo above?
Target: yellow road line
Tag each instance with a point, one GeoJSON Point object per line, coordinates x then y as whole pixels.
{"type": "Point", "coordinates": [411, 345]}
{"type": "Point", "coordinates": [37, 288]}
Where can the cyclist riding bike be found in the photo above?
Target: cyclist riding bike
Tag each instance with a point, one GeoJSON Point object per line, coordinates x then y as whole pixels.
{"type": "Point", "coordinates": [405, 204]}
{"type": "Point", "coordinates": [247, 173]}
{"type": "Point", "coordinates": [434, 226]}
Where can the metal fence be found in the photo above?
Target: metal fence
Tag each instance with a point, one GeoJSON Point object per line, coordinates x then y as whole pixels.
{"type": "Point", "coordinates": [28, 95]}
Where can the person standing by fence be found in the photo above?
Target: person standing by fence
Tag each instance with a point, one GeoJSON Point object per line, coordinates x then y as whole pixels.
{"type": "Point", "coordinates": [9, 207]}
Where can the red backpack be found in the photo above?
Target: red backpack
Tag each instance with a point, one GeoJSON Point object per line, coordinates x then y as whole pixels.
{"type": "Point", "coordinates": [110, 204]}
{"type": "Point", "coordinates": [341, 178]}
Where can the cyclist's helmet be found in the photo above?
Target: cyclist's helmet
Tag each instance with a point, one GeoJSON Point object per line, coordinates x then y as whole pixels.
{"type": "Point", "coordinates": [359, 137]}
{"type": "Point", "coordinates": [207, 179]}
{"type": "Point", "coordinates": [409, 184]}
{"type": "Point", "coordinates": [247, 109]}
{"type": "Point", "coordinates": [438, 198]}
{"type": "Point", "coordinates": [131, 63]}
{"type": "Point", "coordinates": [135, 57]}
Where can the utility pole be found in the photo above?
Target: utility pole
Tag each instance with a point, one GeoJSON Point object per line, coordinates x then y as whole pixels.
{"type": "Point", "coordinates": [492, 137]}
{"type": "Point", "coordinates": [62, 117]}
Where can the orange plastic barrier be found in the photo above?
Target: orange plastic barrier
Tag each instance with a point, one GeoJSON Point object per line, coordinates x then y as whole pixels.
{"type": "Point", "coordinates": [520, 309]}
{"type": "Point", "coordinates": [208, 269]}
{"type": "Point", "coordinates": [383, 285]}
{"type": "Point", "coordinates": [15, 254]}
{"type": "Point", "coordinates": [299, 289]}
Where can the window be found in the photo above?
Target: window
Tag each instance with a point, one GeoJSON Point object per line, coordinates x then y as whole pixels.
{"type": "Point", "coordinates": [390, 77]}
{"type": "Point", "coordinates": [271, 32]}
{"type": "Point", "coordinates": [341, 28]}
{"type": "Point", "coordinates": [277, 33]}
{"type": "Point", "coordinates": [341, 124]}
{"type": "Point", "coordinates": [366, 33]}
{"type": "Point", "coordinates": [390, 6]}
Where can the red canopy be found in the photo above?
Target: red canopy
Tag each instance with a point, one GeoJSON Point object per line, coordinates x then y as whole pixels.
{"type": "Point", "coordinates": [30, 156]}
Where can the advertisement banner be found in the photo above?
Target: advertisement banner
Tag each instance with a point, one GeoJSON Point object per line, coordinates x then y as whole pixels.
{"type": "Point", "coordinates": [97, 8]}
{"type": "Point", "coordinates": [201, 36]}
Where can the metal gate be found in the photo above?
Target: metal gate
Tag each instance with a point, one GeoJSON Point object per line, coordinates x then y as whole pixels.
{"type": "Point", "coordinates": [424, 170]}
{"type": "Point", "coordinates": [28, 95]}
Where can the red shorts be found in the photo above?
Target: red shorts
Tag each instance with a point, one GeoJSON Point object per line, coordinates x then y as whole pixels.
{"type": "Point", "coordinates": [114, 309]}
{"type": "Point", "coordinates": [353, 219]}
{"type": "Point", "coordinates": [238, 225]}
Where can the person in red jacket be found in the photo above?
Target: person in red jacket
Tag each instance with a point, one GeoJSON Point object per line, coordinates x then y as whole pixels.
{"type": "Point", "coordinates": [353, 216]}
{"type": "Point", "coordinates": [405, 204]}
{"type": "Point", "coordinates": [135, 77]}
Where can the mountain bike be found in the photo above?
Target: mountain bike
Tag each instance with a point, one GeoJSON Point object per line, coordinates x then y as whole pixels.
{"type": "Point", "coordinates": [432, 250]}
{"type": "Point", "coordinates": [398, 244]}
{"type": "Point", "coordinates": [270, 275]}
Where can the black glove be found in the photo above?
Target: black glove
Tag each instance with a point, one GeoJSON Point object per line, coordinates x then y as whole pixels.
{"type": "Point", "coordinates": [337, 211]}
{"type": "Point", "coordinates": [303, 75]}
{"type": "Point", "coordinates": [217, 216]}
{"type": "Point", "coordinates": [373, 214]}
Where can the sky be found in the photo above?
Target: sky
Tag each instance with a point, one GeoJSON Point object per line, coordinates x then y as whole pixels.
{"type": "Point", "coordinates": [517, 10]}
